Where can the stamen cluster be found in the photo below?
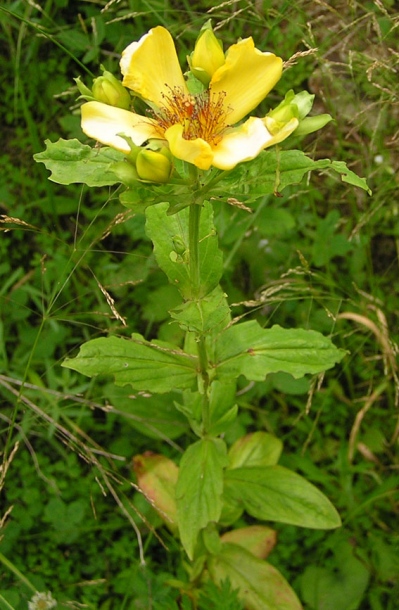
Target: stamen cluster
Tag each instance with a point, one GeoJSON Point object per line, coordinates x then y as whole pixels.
{"type": "Point", "coordinates": [202, 115]}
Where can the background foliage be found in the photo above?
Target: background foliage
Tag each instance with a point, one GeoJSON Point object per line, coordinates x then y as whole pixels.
{"type": "Point", "coordinates": [75, 265]}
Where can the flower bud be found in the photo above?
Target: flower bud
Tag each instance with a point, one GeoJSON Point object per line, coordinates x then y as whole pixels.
{"type": "Point", "coordinates": [109, 90]}
{"type": "Point", "coordinates": [295, 106]}
{"type": "Point", "coordinates": [207, 56]}
{"type": "Point", "coordinates": [312, 123]}
{"type": "Point", "coordinates": [154, 166]}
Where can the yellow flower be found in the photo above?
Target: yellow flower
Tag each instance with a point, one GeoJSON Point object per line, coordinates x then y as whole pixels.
{"type": "Point", "coordinates": [199, 128]}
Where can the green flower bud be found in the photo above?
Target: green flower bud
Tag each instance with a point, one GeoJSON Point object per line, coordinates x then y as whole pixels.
{"type": "Point", "coordinates": [207, 56]}
{"type": "Point", "coordinates": [312, 123]}
{"type": "Point", "coordinates": [126, 173]}
{"type": "Point", "coordinates": [154, 166]}
{"type": "Point", "coordinates": [109, 90]}
{"type": "Point", "coordinates": [295, 106]}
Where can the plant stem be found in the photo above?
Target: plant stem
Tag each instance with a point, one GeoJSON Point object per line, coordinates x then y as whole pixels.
{"type": "Point", "coordinates": [193, 245]}
{"type": "Point", "coordinates": [195, 276]}
{"type": "Point", "coordinates": [17, 573]}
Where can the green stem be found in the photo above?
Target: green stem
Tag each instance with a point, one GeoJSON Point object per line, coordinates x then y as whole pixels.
{"type": "Point", "coordinates": [203, 359]}
{"type": "Point", "coordinates": [17, 573]}
{"type": "Point", "coordinates": [195, 276]}
{"type": "Point", "coordinates": [193, 246]}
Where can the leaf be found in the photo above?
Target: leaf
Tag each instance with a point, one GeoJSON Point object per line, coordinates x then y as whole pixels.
{"type": "Point", "coordinates": [274, 221]}
{"type": "Point", "coordinates": [249, 350]}
{"type": "Point", "coordinates": [350, 177]}
{"type": "Point", "coordinates": [324, 589]}
{"type": "Point", "coordinates": [273, 170]}
{"type": "Point", "coordinates": [70, 161]}
{"type": "Point", "coordinates": [157, 477]}
{"type": "Point", "coordinates": [169, 235]}
{"type": "Point", "coordinates": [153, 366]}
{"type": "Point", "coordinates": [255, 449]}
{"type": "Point", "coordinates": [260, 586]}
{"type": "Point", "coordinates": [275, 493]}
{"type": "Point", "coordinates": [327, 243]}
{"type": "Point", "coordinates": [257, 539]}
{"type": "Point", "coordinates": [155, 416]}
{"type": "Point", "coordinates": [203, 315]}
{"type": "Point", "coordinates": [199, 489]}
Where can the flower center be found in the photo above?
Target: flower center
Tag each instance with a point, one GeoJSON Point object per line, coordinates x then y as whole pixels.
{"type": "Point", "coordinates": [202, 115]}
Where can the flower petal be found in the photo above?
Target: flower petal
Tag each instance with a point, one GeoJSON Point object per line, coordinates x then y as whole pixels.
{"type": "Point", "coordinates": [151, 67]}
{"type": "Point", "coordinates": [246, 77]}
{"type": "Point", "coordinates": [104, 123]}
{"type": "Point", "coordinates": [245, 142]}
{"type": "Point", "coordinates": [198, 152]}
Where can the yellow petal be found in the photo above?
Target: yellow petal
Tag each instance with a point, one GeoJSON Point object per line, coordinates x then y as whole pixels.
{"type": "Point", "coordinates": [245, 142]}
{"type": "Point", "coordinates": [104, 123]}
{"type": "Point", "coordinates": [240, 144]}
{"type": "Point", "coordinates": [246, 77]}
{"type": "Point", "coordinates": [198, 152]}
{"type": "Point", "coordinates": [151, 67]}
{"type": "Point", "coordinates": [281, 135]}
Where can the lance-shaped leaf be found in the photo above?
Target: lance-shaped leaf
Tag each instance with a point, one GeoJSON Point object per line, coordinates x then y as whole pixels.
{"type": "Point", "coordinates": [255, 449]}
{"type": "Point", "coordinates": [199, 489]}
{"type": "Point", "coordinates": [257, 539]}
{"type": "Point", "coordinates": [169, 235]}
{"type": "Point", "coordinates": [153, 366]}
{"type": "Point", "coordinates": [157, 477]}
{"type": "Point", "coordinates": [249, 350]}
{"type": "Point", "coordinates": [70, 161]}
{"type": "Point", "coordinates": [260, 586]}
{"type": "Point", "coordinates": [274, 493]}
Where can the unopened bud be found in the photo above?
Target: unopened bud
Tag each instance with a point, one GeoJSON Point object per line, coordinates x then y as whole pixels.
{"type": "Point", "coordinates": [109, 90]}
{"type": "Point", "coordinates": [207, 56]}
{"type": "Point", "coordinates": [154, 166]}
{"type": "Point", "coordinates": [312, 123]}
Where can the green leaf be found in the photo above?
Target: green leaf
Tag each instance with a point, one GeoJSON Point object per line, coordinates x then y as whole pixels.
{"type": "Point", "coordinates": [324, 589]}
{"type": "Point", "coordinates": [260, 586]}
{"type": "Point", "coordinates": [327, 243]}
{"type": "Point", "coordinates": [273, 170]}
{"type": "Point", "coordinates": [255, 449]}
{"type": "Point", "coordinates": [259, 540]}
{"type": "Point", "coordinates": [249, 350]}
{"type": "Point", "coordinates": [199, 489]}
{"type": "Point", "coordinates": [155, 416]}
{"type": "Point", "coordinates": [152, 366]}
{"type": "Point", "coordinates": [274, 221]}
{"type": "Point", "coordinates": [203, 315]}
{"type": "Point", "coordinates": [70, 161]}
{"type": "Point", "coordinates": [350, 177]}
{"type": "Point", "coordinates": [275, 493]}
{"type": "Point", "coordinates": [169, 235]}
